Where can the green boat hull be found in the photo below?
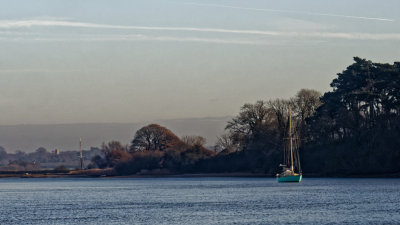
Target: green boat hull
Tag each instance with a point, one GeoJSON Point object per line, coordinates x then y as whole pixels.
{"type": "Point", "coordinates": [295, 178]}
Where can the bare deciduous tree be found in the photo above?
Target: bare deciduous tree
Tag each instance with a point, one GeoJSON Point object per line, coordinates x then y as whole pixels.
{"type": "Point", "coordinates": [252, 121]}
{"type": "Point", "coordinates": [280, 108]}
{"type": "Point", "coordinates": [225, 143]}
{"type": "Point", "coordinates": [153, 137]}
{"type": "Point", "coordinates": [194, 140]}
{"type": "Point", "coordinates": [307, 101]}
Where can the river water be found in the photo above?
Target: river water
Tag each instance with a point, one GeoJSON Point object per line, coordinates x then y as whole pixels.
{"type": "Point", "coordinates": [199, 201]}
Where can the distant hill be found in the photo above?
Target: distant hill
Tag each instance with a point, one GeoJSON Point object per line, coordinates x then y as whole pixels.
{"type": "Point", "coordinates": [66, 136]}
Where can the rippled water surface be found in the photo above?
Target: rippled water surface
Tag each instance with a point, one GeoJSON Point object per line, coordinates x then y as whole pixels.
{"type": "Point", "coordinates": [199, 201]}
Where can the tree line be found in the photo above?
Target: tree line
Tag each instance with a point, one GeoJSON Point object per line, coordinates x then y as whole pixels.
{"type": "Point", "coordinates": [352, 130]}
{"type": "Point", "coordinates": [153, 148]}
{"type": "Point", "coordinates": [356, 130]}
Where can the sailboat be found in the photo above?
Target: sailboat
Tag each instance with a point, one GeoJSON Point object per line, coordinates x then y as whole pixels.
{"type": "Point", "coordinates": [291, 170]}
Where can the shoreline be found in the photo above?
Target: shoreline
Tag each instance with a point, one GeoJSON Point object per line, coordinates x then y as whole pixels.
{"type": "Point", "coordinates": [111, 174]}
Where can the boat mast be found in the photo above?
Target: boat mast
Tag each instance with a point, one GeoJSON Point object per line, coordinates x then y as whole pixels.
{"type": "Point", "coordinates": [80, 149]}
{"type": "Point", "coordinates": [290, 138]}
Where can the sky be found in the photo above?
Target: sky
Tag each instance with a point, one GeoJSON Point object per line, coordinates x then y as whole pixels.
{"type": "Point", "coordinates": [103, 61]}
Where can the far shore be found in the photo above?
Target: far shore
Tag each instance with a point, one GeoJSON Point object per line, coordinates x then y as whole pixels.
{"type": "Point", "coordinates": [109, 173]}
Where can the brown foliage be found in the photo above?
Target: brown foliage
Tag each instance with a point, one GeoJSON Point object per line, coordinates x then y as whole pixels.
{"type": "Point", "coordinates": [117, 156]}
{"type": "Point", "coordinates": [139, 161]}
{"type": "Point", "coordinates": [115, 153]}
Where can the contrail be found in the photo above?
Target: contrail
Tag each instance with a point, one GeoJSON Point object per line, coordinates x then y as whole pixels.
{"type": "Point", "coordinates": [49, 23]}
{"type": "Point", "coordinates": [138, 38]}
{"type": "Point", "coordinates": [295, 12]}
{"type": "Point", "coordinates": [335, 35]}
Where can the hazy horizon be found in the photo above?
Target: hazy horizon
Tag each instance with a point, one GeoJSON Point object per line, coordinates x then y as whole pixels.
{"type": "Point", "coordinates": [29, 137]}
{"type": "Point", "coordinates": [98, 61]}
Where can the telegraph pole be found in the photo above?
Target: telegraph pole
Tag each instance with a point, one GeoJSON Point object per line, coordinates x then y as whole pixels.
{"type": "Point", "coordinates": [81, 156]}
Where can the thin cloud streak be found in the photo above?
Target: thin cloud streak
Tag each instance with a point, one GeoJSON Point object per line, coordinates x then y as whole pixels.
{"type": "Point", "coordinates": [294, 12]}
{"type": "Point", "coordinates": [140, 38]}
{"type": "Point", "coordinates": [48, 23]}
{"type": "Point", "coordinates": [332, 35]}
{"type": "Point", "coordinates": [7, 71]}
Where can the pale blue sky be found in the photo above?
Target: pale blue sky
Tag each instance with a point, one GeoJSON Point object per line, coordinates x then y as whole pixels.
{"type": "Point", "coordinates": [74, 61]}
